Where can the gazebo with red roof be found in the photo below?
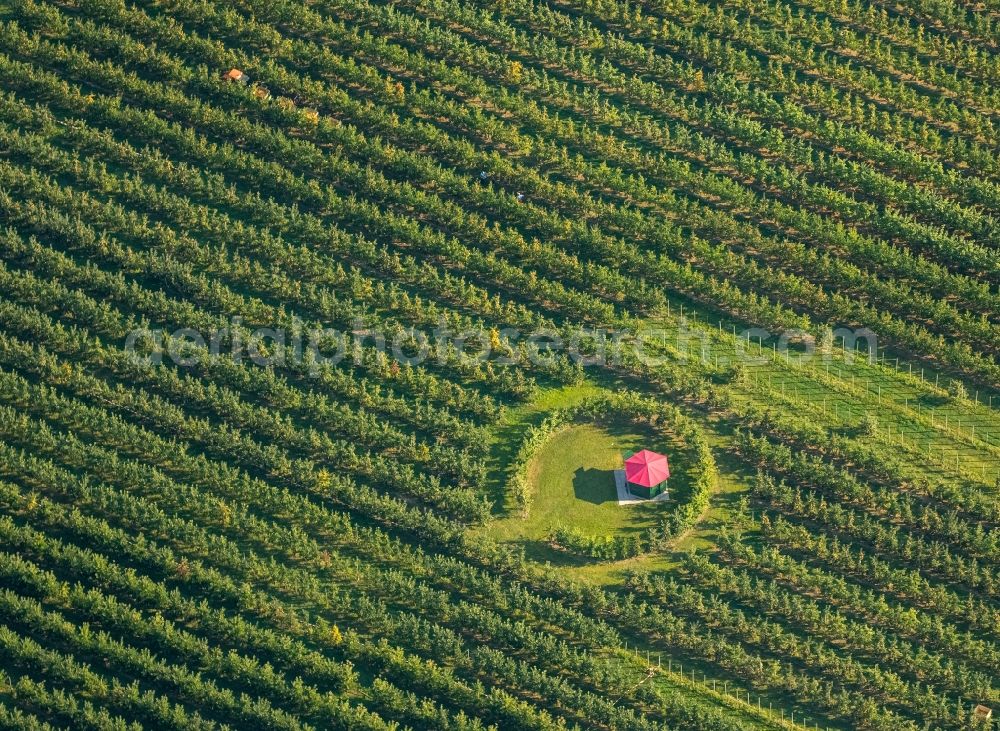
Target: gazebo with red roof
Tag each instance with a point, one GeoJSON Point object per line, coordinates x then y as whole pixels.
{"type": "Point", "coordinates": [237, 76]}
{"type": "Point", "coordinates": [646, 473]}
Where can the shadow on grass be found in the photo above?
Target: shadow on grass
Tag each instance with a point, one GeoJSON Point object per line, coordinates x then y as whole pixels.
{"type": "Point", "coordinates": [543, 552]}
{"type": "Point", "coordinates": [932, 401]}
{"type": "Point", "coordinates": [506, 441]}
{"type": "Point", "coordinates": [595, 486]}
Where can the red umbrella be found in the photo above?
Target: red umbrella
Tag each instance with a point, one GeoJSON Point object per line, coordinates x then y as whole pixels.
{"type": "Point", "coordinates": [646, 468]}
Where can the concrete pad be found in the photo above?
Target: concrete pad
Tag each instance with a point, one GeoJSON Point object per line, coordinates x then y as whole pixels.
{"type": "Point", "coordinates": [627, 498]}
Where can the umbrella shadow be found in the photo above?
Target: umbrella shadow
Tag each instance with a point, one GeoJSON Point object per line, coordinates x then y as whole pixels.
{"type": "Point", "coordinates": [595, 486]}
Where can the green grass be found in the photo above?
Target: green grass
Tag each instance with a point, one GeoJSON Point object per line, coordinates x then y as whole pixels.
{"type": "Point", "coordinates": [507, 435]}
{"type": "Point", "coordinates": [945, 440]}
{"type": "Point", "coordinates": [948, 440]}
{"type": "Point", "coordinates": [733, 481]}
{"type": "Point", "coordinates": [574, 485]}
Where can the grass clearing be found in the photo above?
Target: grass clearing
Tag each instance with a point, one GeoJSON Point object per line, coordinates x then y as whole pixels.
{"type": "Point", "coordinates": [574, 482]}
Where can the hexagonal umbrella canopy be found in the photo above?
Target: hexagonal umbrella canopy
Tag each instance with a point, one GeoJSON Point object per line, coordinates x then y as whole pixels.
{"type": "Point", "coordinates": [646, 468]}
